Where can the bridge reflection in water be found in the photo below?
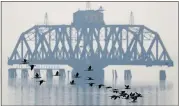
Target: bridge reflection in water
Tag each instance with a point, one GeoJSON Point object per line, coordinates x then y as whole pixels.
{"type": "Point", "coordinates": [57, 91]}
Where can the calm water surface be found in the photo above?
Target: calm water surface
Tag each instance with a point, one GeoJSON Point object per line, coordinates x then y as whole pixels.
{"type": "Point", "coordinates": [58, 91]}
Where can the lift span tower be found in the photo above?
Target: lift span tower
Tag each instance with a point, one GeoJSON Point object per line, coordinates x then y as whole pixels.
{"type": "Point", "coordinates": [89, 41]}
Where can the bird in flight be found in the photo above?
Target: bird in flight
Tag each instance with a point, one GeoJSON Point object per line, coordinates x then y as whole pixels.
{"type": "Point", "coordinates": [32, 67]}
{"type": "Point", "coordinates": [127, 87]}
{"type": "Point", "coordinates": [72, 82]}
{"type": "Point", "coordinates": [134, 99]}
{"type": "Point", "coordinates": [89, 78]}
{"type": "Point", "coordinates": [138, 94]}
{"type": "Point", "coordinates": [90, 84]}
{"type": "Point", "coordinates": [99, 86]}
{"type": "Point", "coordinates": [108, 87]}
{"type": "Point", "coordinates": [37, 75]}
{"type": "Point", "coordinates": [77, 75]}
{"type": "Point", "coordinates": [114, 96]}
{"type": "Point", "coordinates": [57, 74]}
{"type": "Point", "coordinates": [89, 68]}
{"type": "Point", "coordinates": [25, 61]}
{"type": "Point", "coordinates": [41, 81]}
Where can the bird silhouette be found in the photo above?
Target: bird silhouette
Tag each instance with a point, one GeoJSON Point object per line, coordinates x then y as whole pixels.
{"type": "Point", "coordinates": [127, 87]}
{"type": "Point", "coordinates": [127, 97]}
{"type": "Point", "coordinates": [138, 94]}
{"type": "Point", "coordinates": [89, 68]}
{"type": "Point", "coordinates": [57, 74]}
{"type": "Point", "coordinates": [37, 75]}
{"type": "Point", "coordinates": [100, 85]}
{"type": "Point", "coordinates": [25, 61]}
{"type": "Point", "coordinates": [41, 81]}
{"type": "Point", "coordinates": [134, 98]}
{"type": "Point", "coordinates": [123, 94]}
{"type": "Point", "coordinates": [132, 94]}
{"type": "Point", "coordinates": [91, 84]}
{"type": "Point", "coordinates": [114, 96]}
{"type": "Point", "coordinates": [115, 90]}
{"type": "Point", "coordinates": [72, 82]}
{"type": "Point", "coordinates": [89, 78]}
{"type": "Point", "coordinates": [32, 67]}
{"type": "Point", "coordinates": [76, 75]}
{"type": "Point", "coordinates": [108, 87]}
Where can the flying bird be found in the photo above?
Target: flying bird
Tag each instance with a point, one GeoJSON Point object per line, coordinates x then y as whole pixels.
{"type": "Point", "coordinates": [25, 61]}
{"type": "Point", "coordinates": [134, 98]}
{"type": "Point", "coordinates": [37, 75]}
{"type": "Point", "coordinates": [57, 74]}
{"type": "Point", "coordinates": [115, 90]}
{"type": "Point", "coordinates": [89, 69]}
{"type": "Point", "coordinates": [72, 82]}
{"type": "Point", "coordinates": [77, 75]}
{"type": "Point", "coordinates": [89, 78]}
{"type": "Point", "coordinates": [127, 97]}
{"type": "Point", "coordinates": [32, 67]}
{"type": "Point", "coordinates": [108, 87]}
{"type": "Point", "coordinates": [99, 86]}
{"type": "Point", "coordinates": [91, 84]}
{"type": "Point", "coordinates": [114, 96]}
{"type": "Point", "coordinates": [127, 87]}
{"type": "Point", "coordinates": [41, 81]}
{"type": "Point", "coordinates": [138, 94]}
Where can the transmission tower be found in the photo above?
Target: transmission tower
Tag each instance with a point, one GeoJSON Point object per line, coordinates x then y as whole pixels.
{"type": "Point", "coordinates": [46, 19]}
{"type": "Point", "coordinates": [88, 5]}
{"type": "Point", "coordinates": [131, 20]}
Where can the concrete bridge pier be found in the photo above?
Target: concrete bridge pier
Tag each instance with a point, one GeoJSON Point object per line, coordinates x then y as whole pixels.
{"type": "Point", "coordinates": [114, 73]}
{"type": "Point", "coordinates": [62, 72]}
{"type": "Point", "coordinates": [12, 73]}
{"type": "Point", "coordinates": [37, 71]}
{"type": "Point", "coordinates": [127, 75]}
{"type": "Point", "coordinates": [24, 73]}
{"type": "Point", "coordinates": [49, 73]}
{"type": "Point", "coordinates": [162, 75]}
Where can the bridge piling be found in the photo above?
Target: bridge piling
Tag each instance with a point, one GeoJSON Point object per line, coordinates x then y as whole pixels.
{"type": "Point", "coordinates": [12, 73]}
{"type": "Point", "coordinates": [62, 72]}
{"type": "Point", "coordinates": [24, 73]}
{"type": "Point", "coordinates": [37, 71]}
{"type": "Point", "coordinates": [127, 75]}
{"type": "Point", "coordinates": [114, 73]}
{"type": "Point", "coordinates": [162, 75]}
{"type": "Point", "coordinates": [49, 73]}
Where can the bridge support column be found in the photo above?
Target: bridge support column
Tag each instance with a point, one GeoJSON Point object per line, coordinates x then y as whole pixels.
{"type": "Point", "coordinates": [37, 71]}
{"type": "Point", "coordinates": [49, 73]}
{"type": "Point", "coordinates": [114, 73]}
{"type": "Point", "coordinates": [12, 73]}
{"type": "Point", "coordinates": [127, 75]}
{"type": "Point", "coordinates": [162, 75]}
{"type": "Point", "coordinates": [24, 73]}
{"type": "Point", "coordinates": [62, 72]}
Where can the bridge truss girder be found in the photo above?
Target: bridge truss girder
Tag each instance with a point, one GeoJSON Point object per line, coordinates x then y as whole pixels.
{"type": "Point", "coordinates": [112, 44]}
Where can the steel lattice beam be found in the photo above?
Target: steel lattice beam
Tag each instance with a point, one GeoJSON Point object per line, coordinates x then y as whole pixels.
{"type": "Point", "coordinates": [131, 46]}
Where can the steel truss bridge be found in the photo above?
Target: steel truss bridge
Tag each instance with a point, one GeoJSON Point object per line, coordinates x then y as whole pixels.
{"type": "Point", "coordinates": [95, 44]}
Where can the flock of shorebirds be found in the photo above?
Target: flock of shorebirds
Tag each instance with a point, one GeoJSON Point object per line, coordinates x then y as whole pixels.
{"type": "Point", "coordinates": [119, 94]}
